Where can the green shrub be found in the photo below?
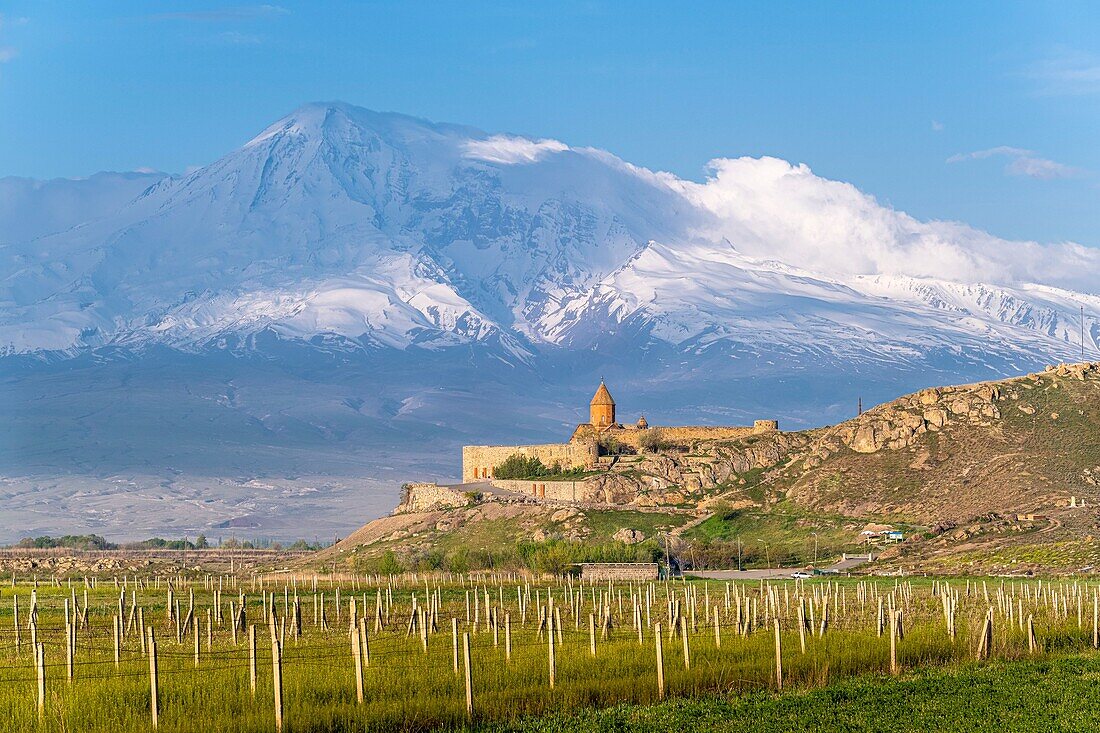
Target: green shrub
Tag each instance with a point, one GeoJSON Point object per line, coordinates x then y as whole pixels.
{"type": "Point", "coordinates": [517, 466]}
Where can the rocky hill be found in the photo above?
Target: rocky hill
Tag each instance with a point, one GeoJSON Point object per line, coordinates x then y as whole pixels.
{"type": "Point", "coordinates": [1002, 474]}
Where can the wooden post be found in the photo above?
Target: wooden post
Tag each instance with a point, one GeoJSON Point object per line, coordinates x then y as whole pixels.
{"type": "Point", "coordinates": [893, 644]}
{"type": "Point", "coordinates": [507, 636]}
{"type": "Point", "coordinates": [40, 654]}
{"type": "Point", "coordinates": [550, 658]}
{"type": "Point", "coordinates": [70, 639]}
{"type": "Point", "coordinates": [802, 625]}
{"type": "Point", "coordinates": [153, 700]}
{"type": "Point", "coordinates": [684, 637]}
{"type": "Point", "coordinates": [1095, 623]}
{"type": "Point", "coordinates": [717, 630]}
{"type": "Point", "coordinates": [469, 675]}
{"type": "Point", "coordinates": [357, 657]}
{"type": "Point", "coordinates": [252, 659]}
{"type": "Point", "coordinates": [117, 626]}
{"type": "Point", "coordinates": [277, 680]}
{"type": "Point", "coordinates": [592, 633]}
{"type": "Point", "coordinates": [364, 644]}
{"type": "Point", "coordinates": [986, 637]}
{"type": "Point", "coordinates": [660, 662]}
{"type": "Point", "coordinates": [1031, 645]}
{"type": "Point", "coordinates": [778, 658]}
{"type": "Point", "coordinates": [454, 642]}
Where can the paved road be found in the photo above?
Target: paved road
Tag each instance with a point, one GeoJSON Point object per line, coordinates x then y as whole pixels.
{"type": "Point", "coordinates": [763, 574]}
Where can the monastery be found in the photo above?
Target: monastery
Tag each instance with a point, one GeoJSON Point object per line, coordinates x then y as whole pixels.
{"type": "Point", "coordinates": [588, 446]}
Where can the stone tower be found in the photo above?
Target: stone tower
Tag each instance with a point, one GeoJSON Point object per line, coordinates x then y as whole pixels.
{"type": "Point", "coordinates": [601, 409]}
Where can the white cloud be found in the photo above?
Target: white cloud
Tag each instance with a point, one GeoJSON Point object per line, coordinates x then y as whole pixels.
{"type": "Point", "coordinates": [1068, 72]}
{"type": "Point", "coordinates": [511, 150]}
{"type": "Point", "coordinates": [7, 53]}
{"type": "Point", "coordinates": [937, 126]}
{"type": "Point", "coordinates": [769, 208]}
{"type": "Point", "coordinates": [1022, 162]}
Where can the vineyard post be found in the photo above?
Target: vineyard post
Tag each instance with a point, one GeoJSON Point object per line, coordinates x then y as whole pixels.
{"type": "Point", "coordinates": [659, 641]}
{"type": "Point", "coordinates": [357, 658]}
{"type": "Point", "coordinates": [684, 636]}
{"type": "Point", "coordinates": [508, 636]}
{"type": "Point", "coordinates": [277, 680]}
{"type": "Point", "coordinates": [550, 649]}
{"type": "Point", "coordinates": [592, 633]}
{"type": "Point", "coordinates": [115, 624]}
{"type": "Point", "coordinates": [893, 644]}
{"type": "Point", "coordinates": [1095, 622]}
{"type": "Point", "coordinates": [40, 659]}
{"type": "Point", "coordinates": [70, 639]}
{"type": "Point", "coordinates": [252, 659]}
{"type": "Point", "coordinates": [469, 675]}
{"type": "Point", "coordinates": [778, 658]}
{"type": "Point", "coordinates": [454, 642]}
{"type": "Point", "coordinates": [153, 702]}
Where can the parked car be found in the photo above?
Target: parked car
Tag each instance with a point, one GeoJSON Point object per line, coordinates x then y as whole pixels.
{"type": "Point", "coordinates": [801, 574]}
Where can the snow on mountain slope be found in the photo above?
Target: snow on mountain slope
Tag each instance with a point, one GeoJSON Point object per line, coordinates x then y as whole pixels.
{"type": "Point", "coordinates": [386, 231]}
{"type": "Point", "coordinates": [30, 208]}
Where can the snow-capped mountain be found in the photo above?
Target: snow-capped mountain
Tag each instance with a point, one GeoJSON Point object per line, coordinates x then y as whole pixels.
{"type": "Point", "coordinates": [387, 231]}
{"type": "Point", "coordinates": [353, 283]}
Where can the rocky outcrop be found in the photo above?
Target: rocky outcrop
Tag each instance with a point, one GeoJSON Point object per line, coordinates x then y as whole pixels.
{"type": "Point", "coordinates": [628, 536]}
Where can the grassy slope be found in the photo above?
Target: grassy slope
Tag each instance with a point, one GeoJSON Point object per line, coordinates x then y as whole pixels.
{"type": "Point", "coordinates": [494, 529]}
{"type": "Point", "coordinates": [1055, 695]}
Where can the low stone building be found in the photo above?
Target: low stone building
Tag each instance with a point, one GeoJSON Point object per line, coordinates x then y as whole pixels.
{"type": "Point", "coordinates": [621, 571]}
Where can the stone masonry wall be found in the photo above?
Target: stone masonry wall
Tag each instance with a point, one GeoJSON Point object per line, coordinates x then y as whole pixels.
{"type": "Point", "coordinates": [427, 497]}
{"type": "Point", "coordinates": [478, 460]}
{"type": "Point", "coordinates": [682, 433]}
{"type": "Point", "coordinates": [570, 491]}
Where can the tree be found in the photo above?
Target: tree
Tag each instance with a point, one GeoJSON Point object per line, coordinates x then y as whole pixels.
{"type": "Point", "coordinates": [651, 440]}
{"type": "Point", "coordinates": [201, 543]}
{"type": "Point", "coordinates": [518, 466]}
{"type": "Point", "coordinates": [388, 564]}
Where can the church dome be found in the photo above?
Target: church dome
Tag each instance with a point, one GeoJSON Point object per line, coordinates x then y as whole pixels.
{"type": "Point", "coordinates": [642, 424]}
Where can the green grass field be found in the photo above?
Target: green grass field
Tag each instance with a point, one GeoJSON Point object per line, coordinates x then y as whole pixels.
{"type": "Point", "coordinates": [1060, 694]}
{"type": "Point", "coordinates": [840, 682]}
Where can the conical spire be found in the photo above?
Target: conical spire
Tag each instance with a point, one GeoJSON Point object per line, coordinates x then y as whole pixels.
{"type": "Point", "coordinates": [602, 396]}
{"type": "Point", "coordinates": [601, 409]}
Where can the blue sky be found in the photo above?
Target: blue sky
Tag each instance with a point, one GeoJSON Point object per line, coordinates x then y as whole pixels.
{"type": "Point", "coordinates": [981, 112]}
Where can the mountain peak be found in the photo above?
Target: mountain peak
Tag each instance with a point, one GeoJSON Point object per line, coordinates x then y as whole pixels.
{"type": "Point", "coordinates": [325, 119]}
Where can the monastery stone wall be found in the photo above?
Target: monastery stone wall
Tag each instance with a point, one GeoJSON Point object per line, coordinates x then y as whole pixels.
{"type": "Point", "coordinates": [428, 497]}
{"type": "Point", "coordinates": [478, 461]}
{"type": "Point", "coordinates": [570, 491]}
